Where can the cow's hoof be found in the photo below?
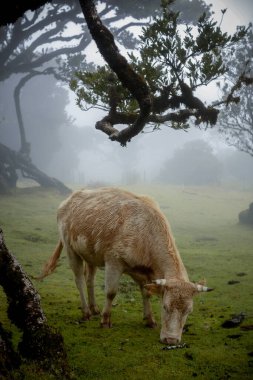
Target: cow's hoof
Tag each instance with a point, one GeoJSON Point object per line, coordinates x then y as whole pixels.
{"type": "Point", "coordinates": [85, 319]}
{"type": "Point", "coordinates": [86, 316]}
{"type": "Point", "coordinates": [94, 310]}
{"type": "Point", "coordinates": [105, 324]}
{"type": "Point", "coordinates": [151, 323]}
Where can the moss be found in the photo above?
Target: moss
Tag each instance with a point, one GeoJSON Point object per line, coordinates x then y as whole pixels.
{"type": "Point", "coordinates": [46, 347]}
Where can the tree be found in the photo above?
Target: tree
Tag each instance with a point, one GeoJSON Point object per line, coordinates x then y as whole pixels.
{"type": "Point", "coordinates": [39, 342]}
{"type": "Point", "coordinates": [193, 164]}
{"type": "Point", "coordinates": [49, 127]}
{"type": "Point", "coordinates": [30, 47]}
{"type": "Point", "coordinates": [32, 44]}
{"type": "Point", "coordinates": [26, 47]}
{"type": "Point", "coordinates": [14, 9]}
{"type": "Point", "coordinates": [236, 120]}
{"type": "Point", "coordinates": [163, 78]}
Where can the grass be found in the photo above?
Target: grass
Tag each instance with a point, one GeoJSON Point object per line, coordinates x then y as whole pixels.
{"type": "Point", "coordinates": [212, 244]}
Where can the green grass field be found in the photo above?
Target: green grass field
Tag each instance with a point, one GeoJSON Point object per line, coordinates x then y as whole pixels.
{"type": "Point", "coordinates": [213, 246]}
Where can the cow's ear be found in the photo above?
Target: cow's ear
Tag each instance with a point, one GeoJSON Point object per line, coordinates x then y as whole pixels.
{"type": "Point", "coordinates": [154, 289]}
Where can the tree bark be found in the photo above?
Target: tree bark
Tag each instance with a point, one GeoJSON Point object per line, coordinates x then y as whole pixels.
{"type": "Point", "coordinates": [9, 359]}
{"type": "Point", "coordinates": [11, 161]}
{"type": "Point", "coordinates": [39, 342]}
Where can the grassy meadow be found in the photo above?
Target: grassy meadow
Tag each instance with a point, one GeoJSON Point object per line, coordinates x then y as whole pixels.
{"type": "Point", "coordinates": [213, 246]}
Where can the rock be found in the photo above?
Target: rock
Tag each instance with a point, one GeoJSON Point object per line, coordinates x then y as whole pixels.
{"type": "Point", "coordinates": [188, 356]}
{"type": "Point", "coordinates": [246, 216]}
{"type": "Point", "coordinates": [234, 336]}
{"type": "Point", "coordinates": [247, 327]}
{"type": "Point", "coordinates": [235, 321]}
{"type": "Point", "coordinates": [241, 274]}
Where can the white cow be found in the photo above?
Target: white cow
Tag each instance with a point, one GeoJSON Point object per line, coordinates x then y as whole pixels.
{"type": "Point", "coordinates": [125, 233]}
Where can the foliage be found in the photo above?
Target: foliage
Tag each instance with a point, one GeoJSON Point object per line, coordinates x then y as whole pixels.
{"type": "Point", "coordinates": [174, 60]}
{"type": "Point", "coordinates": [190, 10]}
{"type": "Point", "coordinates": [172, 57]}
{"type": "Point", "coordinates": [41, 37]}
{"type": "Point", "coordinates": [102, 88]}
{"type": "Point", "coordinates": [236, 121]}
{"type": "Point", "coordinates": [212, 244]}
{"type": "Point", "coordinates": [30, 43]}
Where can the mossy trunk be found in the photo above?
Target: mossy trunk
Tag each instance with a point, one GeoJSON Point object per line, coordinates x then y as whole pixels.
{"type": "Point", "coordinates": [39, 341]}
{"type": "Point", "coordinates": [9, 359]}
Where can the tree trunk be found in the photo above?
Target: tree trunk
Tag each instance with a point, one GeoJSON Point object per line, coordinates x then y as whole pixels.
{"type": "Point", "coordinates": [11, 161]}
{"type": "Point", "coordinates": [39, 342]}
{"type": "Point", "coordinates": [25, 147]}
{"type": "Point", "coordinates": [9, 359]}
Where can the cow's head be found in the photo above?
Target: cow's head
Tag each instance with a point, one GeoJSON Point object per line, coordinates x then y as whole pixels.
{"type": "Point", "coordinates": [177, 303]}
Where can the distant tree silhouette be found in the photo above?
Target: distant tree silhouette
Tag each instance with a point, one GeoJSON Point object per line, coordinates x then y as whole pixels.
{"type": "Point", "coordinates": [236, 121]}
{"type": "Point", "coordinates": [193, 164]}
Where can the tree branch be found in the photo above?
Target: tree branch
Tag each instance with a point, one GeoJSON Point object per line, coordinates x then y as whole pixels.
{"type": "Point", "coordinates": [128, 77]}
{"type": "Point", "coordinates": [13, 9]}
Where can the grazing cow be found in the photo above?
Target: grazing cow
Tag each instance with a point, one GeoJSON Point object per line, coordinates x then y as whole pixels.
{"type": "Point", "coordinates": [125, 233]}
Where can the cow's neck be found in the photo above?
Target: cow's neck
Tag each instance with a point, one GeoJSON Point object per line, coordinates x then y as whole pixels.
{"type": "Point", "coordinates": [172, 265]}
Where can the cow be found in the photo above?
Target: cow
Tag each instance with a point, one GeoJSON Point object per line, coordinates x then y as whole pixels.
{"type": "Point", "coordinates": [125, 233]}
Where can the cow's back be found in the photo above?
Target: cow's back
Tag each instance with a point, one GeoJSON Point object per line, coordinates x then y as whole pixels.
{"type": "Point", "coordinates": [99, 222]}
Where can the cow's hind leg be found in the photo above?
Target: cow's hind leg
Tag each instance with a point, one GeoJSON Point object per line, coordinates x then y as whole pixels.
{"type": "Point", "coordinates": [89, 273]}
{"type": "Point", "coordinates": [77, 265]}
{"type": "Point", "coordinates": [112, 277]}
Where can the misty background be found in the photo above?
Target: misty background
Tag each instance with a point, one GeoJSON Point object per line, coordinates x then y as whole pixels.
{"type": "Point", "coordinates": [66, 145]}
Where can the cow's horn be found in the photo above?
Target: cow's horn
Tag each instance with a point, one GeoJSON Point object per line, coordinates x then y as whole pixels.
{"type": "Point", "coordinates": [160, 281]}
{"type": "Point", "coordinates": [202, 288]}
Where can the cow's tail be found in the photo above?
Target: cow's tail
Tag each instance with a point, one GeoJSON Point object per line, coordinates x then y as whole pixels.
{"type": "Point", "coordinates": [52, 262]}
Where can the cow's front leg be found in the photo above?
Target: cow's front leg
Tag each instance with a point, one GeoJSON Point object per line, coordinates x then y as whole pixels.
{"type": "Point", "coordinates": [112, 277]}
{"type": "Point", "coordinates": [89, 273]}
{"type": "Point", "coordinates": [147, 311]}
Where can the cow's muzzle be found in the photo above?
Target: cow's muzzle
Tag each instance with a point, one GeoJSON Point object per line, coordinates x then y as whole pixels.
{"type": "Point", "coordinates": [170, 340]}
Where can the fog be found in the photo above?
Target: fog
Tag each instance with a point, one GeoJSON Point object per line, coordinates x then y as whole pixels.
{"type": "Point", "coordinates": [66, 145]}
